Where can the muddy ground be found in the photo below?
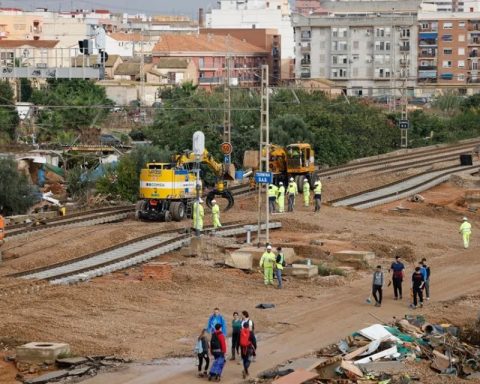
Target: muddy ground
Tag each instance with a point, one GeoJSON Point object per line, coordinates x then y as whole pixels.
{"type": "Point", "coordinates": [134, 316]}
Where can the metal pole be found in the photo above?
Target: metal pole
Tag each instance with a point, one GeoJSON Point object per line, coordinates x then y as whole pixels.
{"type": "Point", "coordinates": [197, 208]}
{"type": "Point", "coordinates": [264, 155]}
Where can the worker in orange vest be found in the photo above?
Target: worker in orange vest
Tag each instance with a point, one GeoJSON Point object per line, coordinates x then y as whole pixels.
{"type": "Point", "coordinates": [2, 229]}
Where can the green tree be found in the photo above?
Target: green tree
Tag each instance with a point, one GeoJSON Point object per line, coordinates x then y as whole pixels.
{"type": "Point", "coordinates": [16, 195]}
{"type": "Point", "coordinates": [8, 115]}
{"type": "Point", "coordinates": [75, 104]}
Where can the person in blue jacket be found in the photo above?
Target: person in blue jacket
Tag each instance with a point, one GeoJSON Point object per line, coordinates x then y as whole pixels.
{"type": "Point", "coordinates": [214, 319]}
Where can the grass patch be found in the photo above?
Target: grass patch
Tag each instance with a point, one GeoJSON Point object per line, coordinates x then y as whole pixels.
{"type": "Point", "coordinates": [325, 270]}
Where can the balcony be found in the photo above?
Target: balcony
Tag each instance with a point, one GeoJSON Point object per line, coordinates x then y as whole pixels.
{"type": "Point", "coordinates": [474, 27]}
{"type": "Point", "coordinates": [473, 54]}
{"type": "Point", "coordinates": [305, 62]}
{"type": "Point", "coordinates": [210, 80]}
{"type": "Point", "coordinates": [305, 75]}
{"type": "Point", "coordinates": [305, 48]}
{"type": "Point", "coordinates": [427, 74]}
{"type": "Point", "coordinates": [404, 62]}
{"type": "Point", "coordinates": [404, 37]}
{"type": "Point", "coordinates": [427, 67]}
{"type": "Point", "coordinates": [426, 54]}
{"type": "Point", "coordinates": [475, 41]}
{"type": "Point", "coordinates": [473, 80]}
{"type": "Point", "coordinates": [427, 43]}
{"type": "Point", "coordinates": [305, 36]}
{"type": "Point", "coordinates": [405, 48]}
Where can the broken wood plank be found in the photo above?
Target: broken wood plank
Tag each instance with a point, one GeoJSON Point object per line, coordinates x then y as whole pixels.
{"type": "Point", "coordinates": [298, 377]}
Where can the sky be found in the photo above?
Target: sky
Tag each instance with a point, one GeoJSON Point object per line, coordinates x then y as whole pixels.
{"type": "Point", "coordinates": [177, 7]}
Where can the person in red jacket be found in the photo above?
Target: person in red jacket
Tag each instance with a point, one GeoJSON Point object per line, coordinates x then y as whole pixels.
{"type": "Point", "coordinates": [218, 347]}
{"type": "Point", "coordinates": [247, 349]}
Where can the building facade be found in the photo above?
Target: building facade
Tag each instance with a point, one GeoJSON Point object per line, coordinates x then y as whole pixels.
{"type": "Point", "coordinates": [210, 53]}
{"type": "Point", "coordinates": [252, 14]}
{"type": "Point", "coordinates": [366, 55]}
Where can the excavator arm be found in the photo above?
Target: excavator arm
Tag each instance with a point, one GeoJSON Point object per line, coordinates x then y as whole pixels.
{"type": "Point", "coordinates": [222, 171]}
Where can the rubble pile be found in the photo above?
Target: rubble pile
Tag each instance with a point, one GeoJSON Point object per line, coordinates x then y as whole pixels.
{"type": "Point", "coordinates": [380, 354]}
{"type": "Point", "coordinates": [67, 369]}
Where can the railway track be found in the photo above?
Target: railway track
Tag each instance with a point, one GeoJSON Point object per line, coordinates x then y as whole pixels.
{"type": "Point", "coordinates": [124, 255]}
{"type": "Point", "coordinates": [92, 217]}
{"type": "Point", "coordinates": [400, 162]}
{"type": "Point", "coordinates": [399, 189]}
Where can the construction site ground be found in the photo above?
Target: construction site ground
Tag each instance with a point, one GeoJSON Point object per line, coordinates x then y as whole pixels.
{"type": "Point", "coordinates": [131, 315]}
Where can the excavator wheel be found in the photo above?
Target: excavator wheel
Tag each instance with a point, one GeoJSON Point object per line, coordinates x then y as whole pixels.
{"type": "Point", "coordinates": [225, 194]}
{"type": "Point", "coordinates": [299, 179]}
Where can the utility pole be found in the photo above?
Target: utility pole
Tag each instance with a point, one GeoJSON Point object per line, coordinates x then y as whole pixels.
{"type": "Point", "coordinates": [264, 154]}
{"type": "Point", "coordinates": [227, 106]}
{"type": "Point", "coordinates": [142, 72]}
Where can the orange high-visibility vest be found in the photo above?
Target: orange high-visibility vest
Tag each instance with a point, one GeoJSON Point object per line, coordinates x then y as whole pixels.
{"type": "Point", "coordinates": [2, 227]}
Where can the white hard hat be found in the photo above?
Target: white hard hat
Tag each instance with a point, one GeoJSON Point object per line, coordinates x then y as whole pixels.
{"type": "Point", "coordinates": [291, 178]}
{"type": "Point", "coordinates": [214, 201]}
{"type": "Point", "coordinates": [200, 200]}
{"type": "Point", "coordinates": [280, 183]}
{"type": "Point", "coordinates": [269, 247]}
{"type": "Point", "coordinates": [465, 219]}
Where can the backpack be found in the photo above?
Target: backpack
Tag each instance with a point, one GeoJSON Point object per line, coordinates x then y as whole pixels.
{"type": "Point", "coordinates": [280, 257]}
{"type": "Point", "coordinates": [215, 343]}
{"type": "Point", "coordinates": [244, 337]}
{"type": "Point", "coordinates": [198, 347]}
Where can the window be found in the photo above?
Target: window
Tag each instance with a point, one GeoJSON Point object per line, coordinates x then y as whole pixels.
{"type": "Point", "coordinates": [447, 51]}
{"type": "Point", "coordinates": [425, 26]}
{"type": "Point", "coordinates": [447, 64]}
{"type": "Point", "coordinates": [461, 24]}
{"type": "Point", "coordinates": [461, 51]}
{"type": "Point", "coordinates": [201, 62]}
{"type": "Point", "coordinates": [461, 77]}
{"type": "Point", "coordinates": [461, 37]}
{"type": "Point", "coordinates": [447, 38]}
{"type": "Point", "coordinates": [461, 63]}
{"type": "Point", "coordinates": [335, 32]}
{"type": "Point", "coordinates": [447, 25]}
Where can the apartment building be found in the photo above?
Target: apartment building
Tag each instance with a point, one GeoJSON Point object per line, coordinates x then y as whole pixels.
{"type": "Point", "coordinates": [209, 54]}
{"type": "Point", "coordinates": [253, 14]}
{"type": "Point", "coordinates": [448, 51]}
{"type": "Point", "coordinates": [366, 49]}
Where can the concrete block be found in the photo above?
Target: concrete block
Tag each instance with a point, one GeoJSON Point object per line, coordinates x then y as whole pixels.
{"type": "Point", "coordinates": [304, 271]}
{"type": "Point", "coordinates": [38, 352]}
{"type": "Point", "coordinates": [48, 377]}
{"type": "Point", "coordinates": [258, 252]}
{"type": "Point", "coordinates": [239, 259]}
{"type": "Point", "coordinates": [358, 256]}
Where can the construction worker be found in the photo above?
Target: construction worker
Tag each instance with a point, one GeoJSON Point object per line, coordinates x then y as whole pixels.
{"type": "Point", "coordinates": [280, 263]}
{"type": "Point", "coordinates": [267, 262]}
{"type": "Point", "coordinates": [292, 191]}
{"type": "Point", "coordinates": [281, 198]}
{"type": "Point", "coordinates": [317, 195]}
{"type": "Point", "coordinates": [272, 197]}
{"type": "Point", "coordinates": [466, 230]}
{"type": "Point", "coordinates": [62, 210]}
{"type": "Point", "coordinates": [2, 229]}
{"type": "Point", "coordinates": [216, 214]}
{"type": "Point", "coordinates": [306, 193]}
{"type": "Point", "coordinates": [197, 206]}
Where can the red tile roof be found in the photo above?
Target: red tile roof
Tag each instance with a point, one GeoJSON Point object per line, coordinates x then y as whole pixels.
{"type": "Point", "coordinates": [121, 36]}
{"type": "Point", "coordinates": [204, 43]}
{"type": "Point", "coordinates": [31, 43]}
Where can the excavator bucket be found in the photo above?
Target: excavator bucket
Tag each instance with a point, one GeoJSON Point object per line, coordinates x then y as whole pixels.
{"type": "Point", "coordinates": [226, 194]}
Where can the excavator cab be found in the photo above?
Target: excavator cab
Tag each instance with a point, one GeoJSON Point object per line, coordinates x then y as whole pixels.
{"type": "Point", "coordinates": [300, 158]}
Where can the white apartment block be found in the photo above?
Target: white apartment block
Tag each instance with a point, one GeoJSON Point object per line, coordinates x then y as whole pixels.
{"type": "Point", "coordinates": [367, 54]}
{"type": "Point", "coordinates": [250, 14]}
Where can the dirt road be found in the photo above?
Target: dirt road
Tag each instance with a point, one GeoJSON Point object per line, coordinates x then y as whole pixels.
{"type": "Point", "coordinates": [319, 322]}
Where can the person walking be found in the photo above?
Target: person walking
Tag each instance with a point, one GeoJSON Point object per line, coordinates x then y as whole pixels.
{"type": "Point", "coordinates": [280, 263]}
{"type": "Point", "coordinates": [281, 198]}
{"type": "Point", "coordinates": [317, 195]}
{"type": "Point", "coordinates": [236, 328]}
{"type": "Point", "coordinates": [218, 347]}
{"type": "Point", "coordinates": [397, 268]}
{"type": "Point", "coordinates": [216, 215]}
{"type": "Point", "coordinates": [251, 326]}
{"type": "Point", "coordinates": [306, 193]}
{"type": "Point", "coordinates": [292, 191]}
{"type": "Point", "coordinates": [425, 268]}
{"type": "Point", "coordinates": [216, 318]}
{"type": "Point", "coordinates": [198, 220]}
{"type": "Point", "coordinates": [377, 286]}
{"type": "Point", "coordinates": [267, 262]}
{"type": "Point", "coordinates": [272, 197]}
{"type": "Point", "coordinates": [466, 230]}
{"type": "Point", "coordinates": [417, 286]}
{"type": "Point", "coordinates": [201, 349]}
{"type": "Point", "coordinates": [247, 348]}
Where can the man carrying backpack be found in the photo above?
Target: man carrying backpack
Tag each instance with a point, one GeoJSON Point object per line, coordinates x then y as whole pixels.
{"type": "Point", "coordinates": [280, 263]}
{"type": "Point", "coordinates": [397, 268]}
{"type": "Point", "coordinates": [218, 347]}
{"type": "Point", "coordinates": [426, 277]}
{"type": "Point", "coordinates": [247, 348]}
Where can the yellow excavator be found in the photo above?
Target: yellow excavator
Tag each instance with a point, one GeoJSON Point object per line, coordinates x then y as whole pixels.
{"type": "Point", "coordinates": [295, 160]}
{"type": "Point", "coordinates": [168, 190]}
